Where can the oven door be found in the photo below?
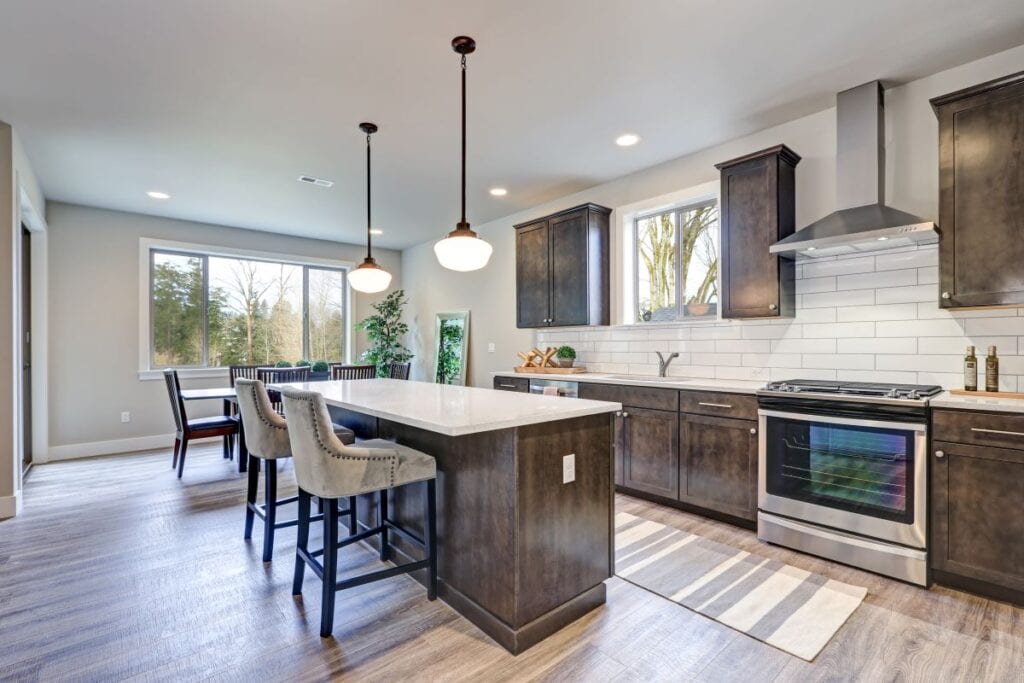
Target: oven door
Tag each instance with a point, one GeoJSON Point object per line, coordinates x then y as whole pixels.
{"type": "Point", "coordinates": [862, 476]}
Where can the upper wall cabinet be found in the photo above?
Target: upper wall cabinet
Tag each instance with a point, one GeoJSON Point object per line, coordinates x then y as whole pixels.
{"type": "Point", "coordinates": [757, 210]}
{"type": "Point", "coordinates": [981, 194]}
{"type": "Point", "coordinates": [562, 269]}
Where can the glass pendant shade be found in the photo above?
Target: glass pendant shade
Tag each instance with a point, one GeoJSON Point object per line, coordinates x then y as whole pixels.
{"type": "Point", "coordinates": [463, 252]}
{"type": "Point", "coordinates": [369, 278]}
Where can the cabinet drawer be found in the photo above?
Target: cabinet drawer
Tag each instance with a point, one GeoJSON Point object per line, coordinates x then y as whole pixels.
{"type": "Point", "coordinates": [512, 384]}
{"type": "Point", "coordinates": [1005, 430]}
{"type": "Point", "coordinates": [635, 397]}
{"type": "Point", "coordinates": [718, 404]}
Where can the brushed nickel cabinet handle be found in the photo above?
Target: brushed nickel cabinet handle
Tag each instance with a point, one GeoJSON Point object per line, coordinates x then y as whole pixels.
{"type": "Point", "coordinates": [996, 431]}
{"type": "Point", "coordinates": [753, 430]}
{"type": "Point", "coordinates": [713, 405]}
{"type": "Point", "coordinates": [947, 296]}
{"type": "Point", "coordinates": [625, 414]}
{"type": "Point", "coordinates": [508, 386]}
{"type": "Point", "coordinates": [772, 307]}
{"type": "Point", "coordinates": [940, 454]}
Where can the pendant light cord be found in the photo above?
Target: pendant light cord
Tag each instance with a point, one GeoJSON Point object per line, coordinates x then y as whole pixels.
{"type": "Point", "coordinates": [463, 224]}
{"type": "Point", "coordinates": [369, 235]}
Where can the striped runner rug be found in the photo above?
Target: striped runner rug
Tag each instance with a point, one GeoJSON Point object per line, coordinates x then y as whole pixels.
{"type": "Point", "coordinates": [789, 608]}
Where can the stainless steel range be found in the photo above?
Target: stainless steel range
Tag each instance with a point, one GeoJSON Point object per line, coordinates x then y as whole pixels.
{"type": "Point", "coordinates": [842, 473]}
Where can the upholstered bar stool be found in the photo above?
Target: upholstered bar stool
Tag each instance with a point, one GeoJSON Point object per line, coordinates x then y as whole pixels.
{"type": "Point", "coordinates": [266, 437]}
{"type": "Point", "coordinates": [327, 468]}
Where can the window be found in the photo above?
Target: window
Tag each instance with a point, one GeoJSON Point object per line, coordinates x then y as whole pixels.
{"type": "Point", "coordinates": [677, 264]}
{"type": "Point", "coordinates": [213, 311]}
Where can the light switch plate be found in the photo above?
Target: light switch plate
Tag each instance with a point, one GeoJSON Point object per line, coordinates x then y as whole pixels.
{"type": "Point", "coordinates": [568, 468]}
{"type": "Point", "coordinates": [491, 347]}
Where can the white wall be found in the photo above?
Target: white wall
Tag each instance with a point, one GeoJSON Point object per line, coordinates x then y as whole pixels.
{"type": "Point", "coordinates": [94, 321]}
{"type": "Point", "coordinates": [912, 185]}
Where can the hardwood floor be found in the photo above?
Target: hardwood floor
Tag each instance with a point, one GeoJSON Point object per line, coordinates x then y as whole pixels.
{"type": "Point", "coordinates": [116, 570]}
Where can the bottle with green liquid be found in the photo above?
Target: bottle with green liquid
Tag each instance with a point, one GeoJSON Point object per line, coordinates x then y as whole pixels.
{"type": "Point", "coordinates": [992, 370]}
{"type": "Point", "coordinates": [970, 370]}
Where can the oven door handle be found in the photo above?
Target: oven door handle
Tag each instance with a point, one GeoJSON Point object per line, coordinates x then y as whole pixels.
{"type": "Point", "coordinates": [851, 421]}
{"type": "Point", "coordinates": [1001, 432]}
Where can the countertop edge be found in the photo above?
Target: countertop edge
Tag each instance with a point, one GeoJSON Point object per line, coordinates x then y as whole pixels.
{"type": "Point", "coordinates": [977, 404]}
{"type": "Point", "coordinates": [683, 383]}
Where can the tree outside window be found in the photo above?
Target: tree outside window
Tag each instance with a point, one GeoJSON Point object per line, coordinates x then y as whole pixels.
{"type": "Point", "coordinates": [677, 264]}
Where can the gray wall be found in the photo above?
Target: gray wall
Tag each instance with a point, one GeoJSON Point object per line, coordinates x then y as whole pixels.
{"type": "Point", "coordinates": [912, 185]}
{"type": "Point", "coordinates": [94, 321]}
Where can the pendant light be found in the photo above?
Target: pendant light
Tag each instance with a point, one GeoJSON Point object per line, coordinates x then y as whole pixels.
{"type": "Point", "coordinates": [368, 277]}
{"type": "Point", "coordinates": [462, 249]}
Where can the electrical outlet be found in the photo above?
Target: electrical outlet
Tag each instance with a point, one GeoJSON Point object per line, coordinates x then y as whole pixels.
{"type": "Point", "coordinates": [568, 468]}
{"type": "Point", "coordinates": [126, 416]}
{"type": "Point", "coordinates": [491, 347]}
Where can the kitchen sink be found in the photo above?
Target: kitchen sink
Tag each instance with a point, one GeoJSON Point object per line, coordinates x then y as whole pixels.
{"type": "Point", "coordinates": [649, 378]}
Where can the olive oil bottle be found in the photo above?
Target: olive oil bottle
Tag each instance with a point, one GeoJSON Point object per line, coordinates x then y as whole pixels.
{"type": "Point", "coordinates": [970, 370]}
{"type": "Point", "coordinates": [992, 370]}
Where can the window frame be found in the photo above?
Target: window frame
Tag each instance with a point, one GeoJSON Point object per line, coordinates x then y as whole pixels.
{"type": "Point", "coordinates": [148, 248]}
{"type": "Point", "coordinates": [675, 210]}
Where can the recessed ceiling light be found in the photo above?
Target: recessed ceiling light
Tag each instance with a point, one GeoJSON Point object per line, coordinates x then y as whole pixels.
{"type": "Point", "coordinates": [376, 231]}
{"type": "Point", "coordinates": [627, 140]}
{"type": "Point", "coordinates": [155, 194]}
{"type": "Point", "coordinates": [498, 191]}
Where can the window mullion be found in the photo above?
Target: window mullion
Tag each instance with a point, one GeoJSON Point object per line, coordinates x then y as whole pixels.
{"type": "Point", "coordinates": [206, 311]}
{"type": "Point", "coordinates": [306, 350]}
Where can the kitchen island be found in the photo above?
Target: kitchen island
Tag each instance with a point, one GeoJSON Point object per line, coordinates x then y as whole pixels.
{"type": "Point", "coordinates": [525, 499]}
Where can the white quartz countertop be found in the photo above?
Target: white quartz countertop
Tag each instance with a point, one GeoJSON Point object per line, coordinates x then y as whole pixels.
{"type": "Point", "coordinates": [451, 410]}
{"type": "Point", "coordinates": [735, 386]}
{"type": "Point", "coordinates": [981, 403]}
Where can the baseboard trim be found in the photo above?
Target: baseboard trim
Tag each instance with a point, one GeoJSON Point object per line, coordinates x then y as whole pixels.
{"type": "Point", "coordinates": [10, 506]}
{"type": "Point", "coordinates": [94, 448]}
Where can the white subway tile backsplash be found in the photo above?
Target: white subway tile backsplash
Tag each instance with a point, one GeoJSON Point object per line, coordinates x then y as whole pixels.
{"type": "Point", "coordinates": [893, 278]}
{"type": "Point", "coordinates": [869, 318]}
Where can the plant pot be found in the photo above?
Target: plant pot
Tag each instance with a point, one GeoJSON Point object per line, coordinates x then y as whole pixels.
{"type": "Point", "coordinates": [319, 376]}
{"type": "Point", "coordinates": [698, 309]}
{"type": "Point", "coordinates": [565, 362]}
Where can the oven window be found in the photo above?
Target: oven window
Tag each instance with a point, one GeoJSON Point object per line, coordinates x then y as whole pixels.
{"type": "Point", "coordinates": [867, 470]}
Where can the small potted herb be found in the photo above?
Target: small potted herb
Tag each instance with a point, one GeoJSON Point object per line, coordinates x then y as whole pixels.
{"type": "Point", "coordinates": [566, 356]}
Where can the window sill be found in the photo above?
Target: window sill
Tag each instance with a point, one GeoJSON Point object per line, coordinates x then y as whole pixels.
{"type": "Point", "coordinates": [185, 373]}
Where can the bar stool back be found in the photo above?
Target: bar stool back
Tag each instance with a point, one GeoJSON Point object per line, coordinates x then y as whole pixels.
{"type": "Point", "coordinates": [329, 469]}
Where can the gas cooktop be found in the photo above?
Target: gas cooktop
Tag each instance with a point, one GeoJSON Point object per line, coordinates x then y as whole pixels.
{"type": "Point", "coordinates": [910, 392]}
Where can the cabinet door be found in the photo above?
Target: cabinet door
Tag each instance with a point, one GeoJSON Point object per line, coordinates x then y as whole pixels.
{"type": "Point", "coordinates": [651, 455]}
{"type": "Point", "coordinates": [977, 525]}
{"type": "Point", "coordinates": [718, 464]}
{"type": "Point", "coordinates": [981, 199]}
{"type": "Point", "coordinates": [533, 284]}
{"type": "Point", "coordinates": [569, 269]}
{"type": "Point", "coordinates": [619, 447]}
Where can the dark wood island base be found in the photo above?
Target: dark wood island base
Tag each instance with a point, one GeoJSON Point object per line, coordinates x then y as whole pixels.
{"type": "Point", "coordinates": [521, 554]}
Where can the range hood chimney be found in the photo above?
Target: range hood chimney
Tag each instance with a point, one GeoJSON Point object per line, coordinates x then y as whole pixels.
{"type": "Point", "coordinates": [862, 223]}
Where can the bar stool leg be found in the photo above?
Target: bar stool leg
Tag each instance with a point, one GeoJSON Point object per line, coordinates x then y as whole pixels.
{"type": "Point", "coordinates": [330, 564]}
{"type": "Point", "coordinates": [269, 510]}
{"type": "Point", "coordinates": [382, 514]}
{"type": "Point", "coordinates": [352, 530]}
{"type": "Point", "coordinates": [301, 541]}
{"type": "Point", "coordinates": [431, 539]}
{"type": "Point", "coordinates": [250, 495]}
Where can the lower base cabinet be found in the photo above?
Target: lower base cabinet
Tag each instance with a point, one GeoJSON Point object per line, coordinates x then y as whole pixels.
{"type": "Point", "coordinates": [718, 464]}
{"type": "Point", "coordinates": [650, 451]}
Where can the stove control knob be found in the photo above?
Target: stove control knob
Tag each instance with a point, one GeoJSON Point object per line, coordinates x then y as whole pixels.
{"type": "Point", "coordinates": [913, 395]}
{"type": "Point", "coordinates": [893, 393]}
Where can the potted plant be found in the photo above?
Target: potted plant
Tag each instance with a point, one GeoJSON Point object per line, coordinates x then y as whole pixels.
{"type": "Point", "coordinates": [566, 356]}
{"type": "Point", "coordinates": [385, 331]}
{"type": "Point", "coordinates": [282, 364]}
{"type": "Point", "coordinates": [319, 371]}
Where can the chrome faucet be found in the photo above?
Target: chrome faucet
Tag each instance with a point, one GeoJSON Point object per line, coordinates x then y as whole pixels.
{"type": "Point", "coordinates": [663, 362]}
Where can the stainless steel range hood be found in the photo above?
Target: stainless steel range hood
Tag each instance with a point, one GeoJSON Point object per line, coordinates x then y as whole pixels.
{"type": "Point", "coordinates": [863, 222]}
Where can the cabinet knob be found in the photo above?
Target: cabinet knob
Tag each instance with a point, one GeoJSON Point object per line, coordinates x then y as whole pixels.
{"type": "Point", "coordinates": [772, 307]}
{"type": "Point", "coordinates": [940, 454]}
{"type": "Point", "coordinates": [753, 430]}
{"type": "Point", "coordinates": [947, 296]}
{"type": "Point", "coordinates": [624, 414]}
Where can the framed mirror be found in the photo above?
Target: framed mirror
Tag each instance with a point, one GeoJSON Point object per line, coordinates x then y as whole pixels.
{"type": "Point", "coordinates": [451, 347]}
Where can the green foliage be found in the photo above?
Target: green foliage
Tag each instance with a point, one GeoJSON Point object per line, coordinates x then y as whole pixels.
{"type": "Point", "coordinates": [565, 352]}
{"type": "Point", "coordinates": [282, 364]}
{"type": "Point", "coordinates": [385, 331]}
{"type": "Point", "coordinates": [657, 255]}
{"type": "Point", "coordinates": [321, 366]}
{"type": "Point", "coordinates": [449, 351]}
{"type": "Point", "coordinates": [302, 363]}
{"type": "Point", "coordinates": [177, 311]}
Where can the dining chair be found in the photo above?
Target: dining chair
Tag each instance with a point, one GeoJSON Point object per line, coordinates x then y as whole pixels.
{"type": "Point", "coordinates": [247, 371]}
{"type": "Point", "coordinates": [339, 371]}
{"type": "Point", "coordinates": [399, 370]}
{"type": "Point", "coordinates": [330, 470]}
{"type": "Point", "coordinates": [281, 376]}
{"type": "Point", "coordinates": [198, 428]}
{"type": "Point", "coordinates": [266, 436]}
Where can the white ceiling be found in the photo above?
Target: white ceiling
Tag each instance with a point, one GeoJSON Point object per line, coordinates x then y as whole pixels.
{"type": "Point", "coordinates": [224, 103]}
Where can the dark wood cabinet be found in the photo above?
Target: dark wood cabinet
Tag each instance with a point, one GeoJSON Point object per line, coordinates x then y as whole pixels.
{"type": "Point", "coordinates": [562, 269]}
{"type": "Point", "coordinates": [977, 532]}
{"type": "Point", "coordinates": [757, 209]}
{"type": "Point", "coordinates": [520, 384]}
{"type": "Point", "coordinates": [650, 460]}
{"type": "Point", "coordinates": [981, 194]}
{"type": "Point", "coordinates": [718, 464]}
